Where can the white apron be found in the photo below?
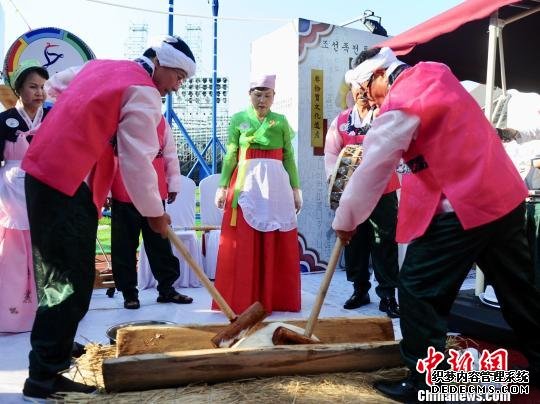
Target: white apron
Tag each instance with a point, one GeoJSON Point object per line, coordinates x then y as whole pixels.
{"type": "Point", "coordinates": [266, 198]}
{"type": "Point", "coordinates": [12, 198]}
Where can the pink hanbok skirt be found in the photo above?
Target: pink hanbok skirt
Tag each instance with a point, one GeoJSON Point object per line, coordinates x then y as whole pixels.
{"type": "Point", "coordinates": [18, 300]}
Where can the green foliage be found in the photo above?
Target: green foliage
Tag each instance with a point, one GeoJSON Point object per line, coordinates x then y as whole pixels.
{"type": "Point", "coordinates": [104, 235]}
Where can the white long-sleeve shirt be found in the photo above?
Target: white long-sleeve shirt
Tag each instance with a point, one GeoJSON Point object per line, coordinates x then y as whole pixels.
{"type": "Point", "coordinates": [137, 141]}
{"type": "Point", "coordinates": [172, 164]}
{"type": "Point", "coordinates": [389, 137]}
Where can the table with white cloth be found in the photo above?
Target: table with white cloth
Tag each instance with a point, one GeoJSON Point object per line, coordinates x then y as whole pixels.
{"type": "Point", "coordinates": [187, 278]}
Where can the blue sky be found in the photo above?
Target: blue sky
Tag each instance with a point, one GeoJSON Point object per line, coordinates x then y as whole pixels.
{"type": "Point", "coordinates": [105, 28]}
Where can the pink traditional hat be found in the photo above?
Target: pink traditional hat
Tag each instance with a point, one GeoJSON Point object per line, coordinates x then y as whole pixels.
{"type": "Point", "coordinates": [263, 80]}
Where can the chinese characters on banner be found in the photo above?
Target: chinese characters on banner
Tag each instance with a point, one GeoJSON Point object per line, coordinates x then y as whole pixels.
{"type": "Point", "coordinates": [317, 108]}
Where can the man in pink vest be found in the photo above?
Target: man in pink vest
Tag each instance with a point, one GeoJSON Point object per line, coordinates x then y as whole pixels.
{"type": "Point", "coordinates": [376, 237]}
{"type": "Point", "coordinates": [462, 202]}
{"type": "Point", "coordinates": [102, 108]}
{"type": "Point", "coordinates": [127, 224]}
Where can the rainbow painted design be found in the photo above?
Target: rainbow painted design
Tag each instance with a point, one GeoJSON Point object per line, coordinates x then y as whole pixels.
{"type": "Point", "coordinates": [56, 49]}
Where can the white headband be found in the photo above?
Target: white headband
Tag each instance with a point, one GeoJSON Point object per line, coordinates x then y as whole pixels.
{"type": "Point", "coordinates": [363, 72]}
{"type": "Point", "coordinates": [169, 56]}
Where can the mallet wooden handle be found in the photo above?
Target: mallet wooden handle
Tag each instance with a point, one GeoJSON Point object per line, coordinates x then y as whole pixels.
{"type": "Point", "coordinates": [225, 308]}
{"type": "Point", "coordinates": [330, 269]}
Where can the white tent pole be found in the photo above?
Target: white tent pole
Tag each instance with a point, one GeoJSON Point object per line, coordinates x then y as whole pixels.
{"type": "Point", "coordinates": [497, 112]}
{"type": "Point", "coordinates": [491, 61]}
{"type": "Point", "coordinates": [490, 84]}
{"type": "Point", "coordinates": [501, 61]}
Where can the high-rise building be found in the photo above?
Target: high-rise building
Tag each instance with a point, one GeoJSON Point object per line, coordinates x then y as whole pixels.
{"type": "Point", "coordinates": [136, 41]}
{"type": "Point", "coordinates": [193, 105]}
{"type": "Point", "coordinates": [193, 38]}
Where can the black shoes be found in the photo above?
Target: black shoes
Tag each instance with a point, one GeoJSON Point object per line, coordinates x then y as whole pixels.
{"type": "Point", "coordinates": [37, 389]}
{"type": "Point", "coordinates": [356, 300]}
{"type": "Point", "coordinates": [110, 292]}
{"type": "Point", "coordinates": [404, 391]}
{"type": "Point", "coordinates": [174, 297]}
{"type": "Point", "coordinates": [131, 299]}
{"type": "Point", "coordinates": [389, 306]}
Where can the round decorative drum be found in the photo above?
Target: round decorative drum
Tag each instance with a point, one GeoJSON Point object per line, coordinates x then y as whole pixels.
{"type": "Point", "coordinates": [348, 160]}
{"type": "Point", "coordinates": [56, 49]}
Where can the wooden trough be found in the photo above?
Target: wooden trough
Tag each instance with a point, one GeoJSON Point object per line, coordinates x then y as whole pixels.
{"type": "Point", "coordinates": [164, 356]}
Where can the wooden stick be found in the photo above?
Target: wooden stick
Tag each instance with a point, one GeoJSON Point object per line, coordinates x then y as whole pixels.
{"type": "Point", "coordinates": [329, 273]}
{"type": "Point", "coordinates": [240, 324]}
{"type": "Point", "coordinates": [284, 336]}
{"type": "Point", "coordinates": [225, 308]}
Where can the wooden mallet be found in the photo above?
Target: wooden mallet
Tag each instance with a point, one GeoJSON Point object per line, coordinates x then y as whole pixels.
{"type": "Point", "coordinates": [285, 336]}
{"type": "Point", "coordinates": [241, 324]}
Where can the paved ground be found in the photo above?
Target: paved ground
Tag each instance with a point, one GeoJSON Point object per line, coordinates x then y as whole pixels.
{"type": "Point", "coordinates": [105, 312]}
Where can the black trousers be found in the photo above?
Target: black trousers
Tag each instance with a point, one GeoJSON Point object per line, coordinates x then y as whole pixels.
{"type": "Point", "coordinates": [376, 237]}
{"type": "Point", "coordinates": [126, 225]}
{"type": "Point", "coordinates": [63, 231]}
{"type": "Point", "coordinates": [436, 265]}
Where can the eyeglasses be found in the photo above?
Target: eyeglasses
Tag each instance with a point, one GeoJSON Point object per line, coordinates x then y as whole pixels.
{"type": "Point", "coordinates": [367, 88]}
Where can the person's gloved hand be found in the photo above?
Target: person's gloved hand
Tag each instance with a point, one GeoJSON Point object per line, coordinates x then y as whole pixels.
{"type": "Point", "coordinates": [297, 194]}
{"type": "Point", "coordinates": [221, 196]}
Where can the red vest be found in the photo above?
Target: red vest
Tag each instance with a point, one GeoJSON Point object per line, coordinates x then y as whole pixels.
{"type": "Point", "coordinates": [456, 153]}
{"type": "Point", "coordinates": [352, 138]}
{"type": "Point", "coordinates": [118, 188]}
{"type": "Point", "coordinates": [77, 137]}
